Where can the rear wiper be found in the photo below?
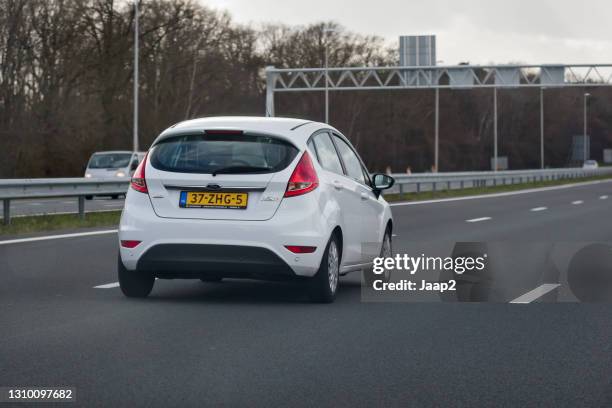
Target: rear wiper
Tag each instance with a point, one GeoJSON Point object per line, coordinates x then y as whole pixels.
{"type": "Point", "coordinates": [240, 169]}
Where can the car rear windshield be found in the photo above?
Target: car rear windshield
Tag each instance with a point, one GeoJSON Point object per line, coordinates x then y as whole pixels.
{"type": "Point", "coordinates": [109, 160]}
{"type": "Point", "coordinates": [223, 154]}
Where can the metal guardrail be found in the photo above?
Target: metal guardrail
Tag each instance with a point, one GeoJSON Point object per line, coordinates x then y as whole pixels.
{"type": "Point", "coordinates": [20, 189]}
{"type": "Point", "coordinates": [420, 182]}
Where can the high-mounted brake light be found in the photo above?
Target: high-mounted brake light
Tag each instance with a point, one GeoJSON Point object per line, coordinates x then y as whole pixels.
{"type": "Point", "coordinates": [138, 182]}
{"type": "Point", "coordinates": [130, 243]}
{"type": "Point", "coordinates": [304, 178]}
{"type": "Point", "coordinates": [223, 132]}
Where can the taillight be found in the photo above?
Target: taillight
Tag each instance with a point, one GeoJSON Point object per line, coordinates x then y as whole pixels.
{"type": "Point", "coordinates": [304, 178]}
{"type": "Point", "coordinates": [130, 243]}
{"type": "Point", "coordinates": [138, 182]}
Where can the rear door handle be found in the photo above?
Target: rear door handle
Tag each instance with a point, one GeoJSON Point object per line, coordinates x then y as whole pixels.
{"type": "Point", "coordinates": [364, 196]}
{"type": "Point", "coordinates": [338, 185]}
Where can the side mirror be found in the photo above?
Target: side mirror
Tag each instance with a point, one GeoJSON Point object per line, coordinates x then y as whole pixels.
{"type": "Point", "coordinates": [382, 182]}
{"type": "Point", "coordinates": [134, 165]}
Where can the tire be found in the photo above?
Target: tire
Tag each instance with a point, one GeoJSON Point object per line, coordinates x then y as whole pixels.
{"type": "Point", "coordinates": [386, 250]}
{"type": "Point", "coordinates": [211, 279]}
{"type": "Point", "coordinates": [89, 197]}
{"type": "Point", "coordinates": [324, 285]}
{"type": "Point", "coordinates": [134, 284]}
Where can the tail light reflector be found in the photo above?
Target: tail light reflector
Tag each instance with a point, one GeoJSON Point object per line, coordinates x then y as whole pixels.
{"type": "Point", "coordinates": [130, 244]}
{"type": "Point", "coordinates": [297, 249]}
{"type": "Point", "coordinates": [304, 178]}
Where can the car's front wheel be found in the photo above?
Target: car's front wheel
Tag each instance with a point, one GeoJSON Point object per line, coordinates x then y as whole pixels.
{"type": "Point", "coordinates": [324, 285]}
{"type": "Point", "coordinates": [137, 284]}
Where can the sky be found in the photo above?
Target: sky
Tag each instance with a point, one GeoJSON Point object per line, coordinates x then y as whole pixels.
{"type": "Point", "coordinates": [475, 31]}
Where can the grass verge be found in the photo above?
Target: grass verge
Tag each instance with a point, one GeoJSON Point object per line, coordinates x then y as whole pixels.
{"type": "Point", "coordinates": [51, 222]}
{"type": "Point", "coordinates": [432, 195]}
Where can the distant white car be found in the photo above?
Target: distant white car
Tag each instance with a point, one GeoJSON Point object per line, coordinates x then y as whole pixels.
{"type": "Point", "coordinates": [113, 164]}
{"type": "Point", "coordinates": [590, 164]}
{"type": "Point", "coordinates": [261, 198]}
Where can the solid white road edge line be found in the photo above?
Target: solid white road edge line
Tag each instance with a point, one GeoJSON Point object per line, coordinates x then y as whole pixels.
{"type": "Point", "coordinates": [504, 194]}
{"type": "Point", "coordinates": [536, 293]}
{"type": "Point", "coordinates": [108, 286]}
{"type": "Point", "coordinates": [50, 237]}
{"type": "Point", "coordinates": [538, 209]}
{"type": "Point", "coordinates": [479, 219]}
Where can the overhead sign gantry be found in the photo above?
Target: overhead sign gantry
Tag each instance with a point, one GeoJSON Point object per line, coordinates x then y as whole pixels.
{"type": "Point", "coordinates": [436, 78]}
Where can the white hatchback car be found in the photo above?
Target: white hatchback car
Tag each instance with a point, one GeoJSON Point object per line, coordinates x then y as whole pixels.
{"type": "Point", "coordinates": [259, 198]}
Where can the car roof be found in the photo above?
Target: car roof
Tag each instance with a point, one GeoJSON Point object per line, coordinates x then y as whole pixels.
{"type": "Point", "coordinates": [296, 130]}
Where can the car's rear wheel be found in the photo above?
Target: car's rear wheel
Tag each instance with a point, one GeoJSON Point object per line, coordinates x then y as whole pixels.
{"type": "Point", "coordinates": [137, 284]}
{"type": "Point", "coordinates": [386, 251]}
{"type": "Point", "coordinates": [324, 285]}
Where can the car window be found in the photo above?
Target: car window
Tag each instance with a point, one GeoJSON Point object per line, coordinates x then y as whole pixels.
{"type": "Point", "coordinates": [328, 158]}
{"type": "Point", "coordinates": [312, 149]}
{"type": "Point", "coordinates": [351, 162]}
{"type": "Point", "coordinates": [209, 153]}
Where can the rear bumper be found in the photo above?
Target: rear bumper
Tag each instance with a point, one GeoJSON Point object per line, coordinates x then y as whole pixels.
{"type": "Point", "coordinates": [202, 260]}
{"type": "Point", "coordinates": [182, 248]}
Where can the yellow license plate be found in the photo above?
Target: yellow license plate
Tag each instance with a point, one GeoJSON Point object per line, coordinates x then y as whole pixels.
{"type": "Point", "coordinates": [203, 199]}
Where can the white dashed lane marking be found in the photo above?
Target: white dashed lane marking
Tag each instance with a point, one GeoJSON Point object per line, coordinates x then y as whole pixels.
{"type": "Point", "coordinates": [578, 202]}
{"type": "Point", "coordinates": [478, 219]}
{"type": "Point", "coordinates": [538, 209]}
{"type": "Point", "coordinates": [107, 286]}
{"type": "Point", "coordinates": [603, 197]}
{"type": "Point", "coordinates": [536, 293]}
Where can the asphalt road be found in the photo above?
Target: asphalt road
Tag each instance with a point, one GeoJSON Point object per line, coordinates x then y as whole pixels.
{"type": "Point", "coordinates": [244, 343]}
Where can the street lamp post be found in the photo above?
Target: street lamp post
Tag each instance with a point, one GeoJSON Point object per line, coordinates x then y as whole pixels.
{"type": "Point", "coordinates": [326, 31]}
{"type": "Point", "coordinates": [136, 45]}
{"type": "Point", "coordinates": [542, 127]}
{"type": "Point", "coordinates": [326, 86]}
{"type": "Point", "coordinates": [197, 55]}
{"type": "Point", "coordinates": [437, 128]}
{"type": "Point", "coordinates": [586, 154]}
{"type": "Point", "coordinates": [437, 132]}
{"type": "Point", "coordinates": [495, 129]}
